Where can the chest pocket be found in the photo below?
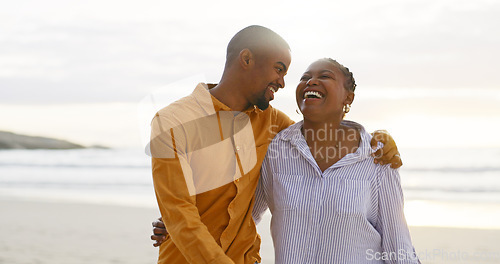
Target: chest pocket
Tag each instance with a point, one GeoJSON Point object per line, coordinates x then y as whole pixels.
{"type": "Point", "coordinates": [352, 197]}
{"type": "Point", "coordinates": [287, 191]}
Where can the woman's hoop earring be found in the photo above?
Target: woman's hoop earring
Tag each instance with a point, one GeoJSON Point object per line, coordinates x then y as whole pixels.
{"type": "Point", "coordinates": [347, 108]}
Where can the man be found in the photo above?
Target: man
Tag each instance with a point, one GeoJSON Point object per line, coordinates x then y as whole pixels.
{"type": "Point", "coordinates": [207, 150]}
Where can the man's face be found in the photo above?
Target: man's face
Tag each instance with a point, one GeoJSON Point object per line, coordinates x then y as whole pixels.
{"type": "Point", "coordinates": [270, 69]}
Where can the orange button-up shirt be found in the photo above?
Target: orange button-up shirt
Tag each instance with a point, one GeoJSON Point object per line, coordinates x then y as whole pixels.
{"type": "Point", "coordinates": [206, 163]}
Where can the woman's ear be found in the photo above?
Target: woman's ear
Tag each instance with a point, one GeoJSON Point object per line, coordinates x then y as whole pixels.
{"type": "Point", "coordinates": [349, 98]}
{"type": "Point", "coordinates": [246, 59]}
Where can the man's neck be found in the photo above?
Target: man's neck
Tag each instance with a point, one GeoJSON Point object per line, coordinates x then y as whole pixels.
{"type": "Point", "coordinates": [227, 94]}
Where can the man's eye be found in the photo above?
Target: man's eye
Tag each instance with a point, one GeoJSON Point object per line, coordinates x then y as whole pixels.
{"type": "Point", "coordinates": [280, 70]}
{"type": "Point", "coordinates": [304, 78]}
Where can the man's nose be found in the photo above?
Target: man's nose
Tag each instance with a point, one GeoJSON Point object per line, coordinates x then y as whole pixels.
{"type": "Point", "coordinates": [281, 82]}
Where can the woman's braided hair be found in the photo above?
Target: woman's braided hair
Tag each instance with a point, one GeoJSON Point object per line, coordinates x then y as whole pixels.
{"type": "Point", "coordinates": [350, 83]}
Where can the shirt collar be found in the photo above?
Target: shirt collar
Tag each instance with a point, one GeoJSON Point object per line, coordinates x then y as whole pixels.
{"type": "Point", "coordinates": [364, 150]}
{"type": "Point", "coordinates": [294, 134]}
{"type": "Point", "coordinates": [210, 104]}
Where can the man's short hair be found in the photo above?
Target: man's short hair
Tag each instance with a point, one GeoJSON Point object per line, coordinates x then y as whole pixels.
{"type": "Point", "coordinates": [253, 38]}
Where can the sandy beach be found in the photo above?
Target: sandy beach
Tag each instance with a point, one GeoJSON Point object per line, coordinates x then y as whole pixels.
{"type": "Point", "coordinates": [44, 232]}
{"type": "Point", "coordinates": [40, 232]}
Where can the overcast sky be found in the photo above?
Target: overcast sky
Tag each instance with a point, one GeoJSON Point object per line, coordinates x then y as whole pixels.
{"type": "Point", "coordinates": [87, 51]}
{"type": "Point", "coordinates": [432, 56]}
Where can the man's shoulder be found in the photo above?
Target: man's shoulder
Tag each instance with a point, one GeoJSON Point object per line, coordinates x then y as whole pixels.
{"type": "Point", "coordinates": [181, 105]}
{"type": "Point", "coordinates": [196, 102]}
{"type": "Point", "coordinates": [278, 119]}
{"type": "Point", "coordinates": [278, 114]}
{"type": "Point", "coordinates": [179, 113]}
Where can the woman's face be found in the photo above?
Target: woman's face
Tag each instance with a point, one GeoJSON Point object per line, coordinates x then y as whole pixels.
{"type": "Point", "coordinates": [320, 94]}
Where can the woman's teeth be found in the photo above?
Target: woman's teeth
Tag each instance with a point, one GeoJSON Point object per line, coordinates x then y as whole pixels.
{"type": "Point", "coordinates": [312, 94]}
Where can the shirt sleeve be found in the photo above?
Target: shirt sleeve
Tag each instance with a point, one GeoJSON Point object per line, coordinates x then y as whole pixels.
{"type": "Point", "coordinates": [391, 224]}
{"type": "Point", "coordinates": [173, 187]}
{"type": "Point", "coordinates": [263, 192]}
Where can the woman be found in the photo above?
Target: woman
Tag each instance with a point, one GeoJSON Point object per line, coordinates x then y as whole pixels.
{"type": "Point", "coordinates": [329, 202]}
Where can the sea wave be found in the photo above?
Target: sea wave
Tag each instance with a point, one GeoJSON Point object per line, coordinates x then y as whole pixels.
{"type": "Point", "coordinates": [461, 189]}
{"type": "Point", "coordinates": [452, 169]}
{"type": "Point", "coordinates": [66, 165]}
{"type": "Point", "coordinates": [78, 185]}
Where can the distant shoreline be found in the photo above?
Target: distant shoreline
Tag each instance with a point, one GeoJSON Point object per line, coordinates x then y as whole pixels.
{"type": "Point", "coordinates": [9, 140]}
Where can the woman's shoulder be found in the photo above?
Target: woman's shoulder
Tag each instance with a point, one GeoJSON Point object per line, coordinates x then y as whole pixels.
{"type": "Point", "coordinates": [288, 133]}
{"type": "Point", "coordinates": [351, 125]}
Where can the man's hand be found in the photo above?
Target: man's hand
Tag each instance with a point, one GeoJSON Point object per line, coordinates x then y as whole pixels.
{"type": "Point", "coordinates": [389, 153]}
{"type": "Point", "coordinates": [159, 232]}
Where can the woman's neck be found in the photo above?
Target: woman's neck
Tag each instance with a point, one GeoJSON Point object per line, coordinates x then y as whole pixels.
{"type": "Point", "coordinates": [329, 141]}
{"type": "Point", "coordinates": [324, 133]}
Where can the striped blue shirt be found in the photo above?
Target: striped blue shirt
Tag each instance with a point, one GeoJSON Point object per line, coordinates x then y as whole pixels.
{"type": "Point", "coordinates": [350, 213]}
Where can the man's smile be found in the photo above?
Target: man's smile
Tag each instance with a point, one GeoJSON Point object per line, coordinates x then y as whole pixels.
{"type": "Point", "coordinates": [273, 90]}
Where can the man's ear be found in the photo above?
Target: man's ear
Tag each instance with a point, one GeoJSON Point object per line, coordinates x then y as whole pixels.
{"type": "Point", "coordinates": [246, 58]}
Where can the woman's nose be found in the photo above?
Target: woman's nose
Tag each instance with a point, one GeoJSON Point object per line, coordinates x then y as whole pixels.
{"type": "Point", "coordinates": [312, 81]}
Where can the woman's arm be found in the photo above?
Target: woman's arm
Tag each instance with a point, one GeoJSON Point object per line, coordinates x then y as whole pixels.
{"type": "Point", "coordinates": [263, 193]}
{"type": "Point", "coordinates": [391, 224]}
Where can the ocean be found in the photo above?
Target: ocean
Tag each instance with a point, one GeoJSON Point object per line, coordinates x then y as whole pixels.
{"type": "Point", "coordinates": [430, 178]}
{"type": "Point", "coordinates": [102, 176]}
{"type": "Point", "coordinates": [123, 176]}
{"type": "Point", "coordinates": [443, 187]}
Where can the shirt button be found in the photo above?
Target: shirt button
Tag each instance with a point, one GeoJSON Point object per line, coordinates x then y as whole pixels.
{"type": "Point", "coordinates": [237, 148]}
{"type": "Point", "coordinates": [237, 180]}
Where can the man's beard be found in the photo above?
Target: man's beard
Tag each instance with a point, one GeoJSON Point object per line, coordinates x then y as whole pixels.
{"type": "Point", "coordinates": [262, 102]}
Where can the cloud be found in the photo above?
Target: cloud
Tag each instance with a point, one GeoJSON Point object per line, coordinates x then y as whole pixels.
{"type": "Point", "coordinates": [94, 63]}
{"type": "Point", "coordinates": [120, 50]}
{"type": "Point", "coordinates": [433, 62]}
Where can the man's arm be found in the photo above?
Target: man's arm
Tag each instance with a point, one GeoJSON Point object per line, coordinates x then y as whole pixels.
{"type": "Point", "coordinates": [262, 198]}
{"type": "Point", "coordinates": [177, 206]}
{"type": "Point", "coordinates": [389, 154]}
